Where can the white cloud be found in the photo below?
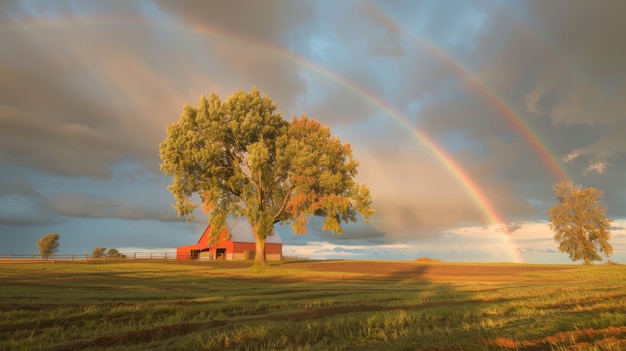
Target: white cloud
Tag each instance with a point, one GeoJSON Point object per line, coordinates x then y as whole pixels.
{"type": "Point", "coordinates": [572, 156]}
{"type": "Point", "coordinates": [599, 167]}
{"type": "Point", "coordinates": [470, 244]}
{"type": "Point", "coordinates": [532, 242]}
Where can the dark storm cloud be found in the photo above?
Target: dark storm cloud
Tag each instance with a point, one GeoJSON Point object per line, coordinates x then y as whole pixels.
{"type": "Point", "coordinates": [265, 21]}
{"type": "Point", "coordinates": [12, 186]}
{"type": "Point", "coordinates": [53, 146]}
{"type": "Point", "coordinates": [72, 204]}
{"type": "Point", "coordinates": [21, 204]}
{"type": "Point", "coordinates": [65, 108]}
{"type": "Point", "coordinates": [19, 209]}
{"type": "Point", "coordinates": [247, 29]}
{"type": "Point", "coordinates": [567, 66]}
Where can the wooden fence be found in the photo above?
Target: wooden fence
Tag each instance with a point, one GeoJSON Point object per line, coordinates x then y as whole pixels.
{"type": "Point", "coordinates": [123, 257]}
{"type": "Point", "coordinates": [87, 258]}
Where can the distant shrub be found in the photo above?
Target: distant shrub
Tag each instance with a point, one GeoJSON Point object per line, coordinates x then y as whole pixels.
{"type": "Point", "coordinates": [113, 253]}
{"type": "Point", "coordinates": [98, 252]}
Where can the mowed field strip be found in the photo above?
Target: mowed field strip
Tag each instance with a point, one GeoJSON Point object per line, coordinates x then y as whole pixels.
{"type": "Point", "coordinates": [311, 305]}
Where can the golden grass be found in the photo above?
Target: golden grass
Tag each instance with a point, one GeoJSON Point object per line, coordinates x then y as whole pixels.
{"type": "Point", "coordinates": [311, 305]}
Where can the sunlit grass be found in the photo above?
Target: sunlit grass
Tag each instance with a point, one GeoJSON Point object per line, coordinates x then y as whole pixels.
{"type": "Point", "coordinates": [217, 306]}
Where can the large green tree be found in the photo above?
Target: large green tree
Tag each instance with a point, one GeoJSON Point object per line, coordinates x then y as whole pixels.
{"type": "Point", "coordinates": [244, 159]}
{"type": "Point", "coordinates": [48, 244]}
{"type": "Point", "coordinates": [579, 223]}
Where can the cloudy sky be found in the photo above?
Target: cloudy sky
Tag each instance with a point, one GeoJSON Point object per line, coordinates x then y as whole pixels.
{"type": "Point", "coordinates": [463, 115]}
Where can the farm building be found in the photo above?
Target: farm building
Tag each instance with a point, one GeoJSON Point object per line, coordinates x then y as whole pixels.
{"type": "Point", "coordinates": [236, 243]}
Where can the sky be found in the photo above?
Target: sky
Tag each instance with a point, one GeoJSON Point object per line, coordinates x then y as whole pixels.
{"type": "Point", "coordinates": [462, 114]}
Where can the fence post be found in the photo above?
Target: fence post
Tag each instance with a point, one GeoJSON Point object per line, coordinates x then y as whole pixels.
{"type": "Point", "coordinates": [9, 257]}
{"type": "Point", "coordinates": [166, 255]}
{"type": "Point", "coordinates": [150, 255]}
{"type": "Point", "coordinates": [86, 258]}
{"type": "Point", "coordinates": [73, 256]}
{"type": "Point", "coordinates": [33, 259]}
{"type": "Point", "coordinates": [134, 256]}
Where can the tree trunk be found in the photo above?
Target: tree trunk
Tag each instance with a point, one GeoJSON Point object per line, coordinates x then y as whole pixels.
{"type": "Point", "coordinates": [259, 255]}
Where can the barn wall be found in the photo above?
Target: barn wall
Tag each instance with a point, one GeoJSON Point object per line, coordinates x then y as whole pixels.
{"type": "Point", "coordinates": [184, 252]}
{"type": "Point", "coordinates": [273, 249]}
{"type": "Point", "coordinates": [274, 252]}
{"type": "Point", "coordinates": [239, 249]}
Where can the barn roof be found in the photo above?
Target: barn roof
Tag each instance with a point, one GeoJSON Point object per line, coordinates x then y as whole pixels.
{"type": "Point", "coordinates": [241, 232]}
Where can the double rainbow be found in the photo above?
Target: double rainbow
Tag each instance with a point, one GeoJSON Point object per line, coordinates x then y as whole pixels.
{"type": "Point", "coordinates": [477, 86]}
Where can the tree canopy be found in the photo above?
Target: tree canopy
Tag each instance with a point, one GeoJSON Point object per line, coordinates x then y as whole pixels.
{"type": "Point", "coordinates": [113, 252]}
{"type": "Point", "coordinates": [579, 223]}
{"type": "Point", "coordinates": [98, 252]}
{"type": "Point", "coordinates": [244, 159]}
{"type": "Point", "coordinates": [48, 244]}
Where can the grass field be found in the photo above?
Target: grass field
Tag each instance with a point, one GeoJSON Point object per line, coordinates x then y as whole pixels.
{"type": "Point", "coordinates": [311, 305]}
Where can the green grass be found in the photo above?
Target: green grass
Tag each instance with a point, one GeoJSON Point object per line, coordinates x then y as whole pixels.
{"type": "Point", "coordinates": [301, 306]}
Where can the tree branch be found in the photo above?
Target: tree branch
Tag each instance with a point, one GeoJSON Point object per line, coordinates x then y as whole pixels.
{"type": "Point", "coordinates": [282, 208]}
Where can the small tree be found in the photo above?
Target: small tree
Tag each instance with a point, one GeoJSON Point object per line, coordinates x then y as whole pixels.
{"type": "Point", "coordinates": [579, 223]}
{"type": "Point", "coordinates": [113, 253]}
{"type": "Point", "coordinates": [244, 159]}
{"type": "Point", "coordinates": [98, 252]}
{"type": "Point", "coordinates": [48, 244]}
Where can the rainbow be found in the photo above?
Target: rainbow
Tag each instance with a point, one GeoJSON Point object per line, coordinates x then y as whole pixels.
{"type": "Point", "coordinates": [472, 188]}
{"type": "Point", "coordinates": [449, 163]}
{"type": "Point", "coordinates": [479, 88]}
{"type": "Point", "coordinates": [503, 109]}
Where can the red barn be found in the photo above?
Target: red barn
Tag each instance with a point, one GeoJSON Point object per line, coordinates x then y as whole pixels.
{"type": "Point", "coordinates": [236, 243]}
